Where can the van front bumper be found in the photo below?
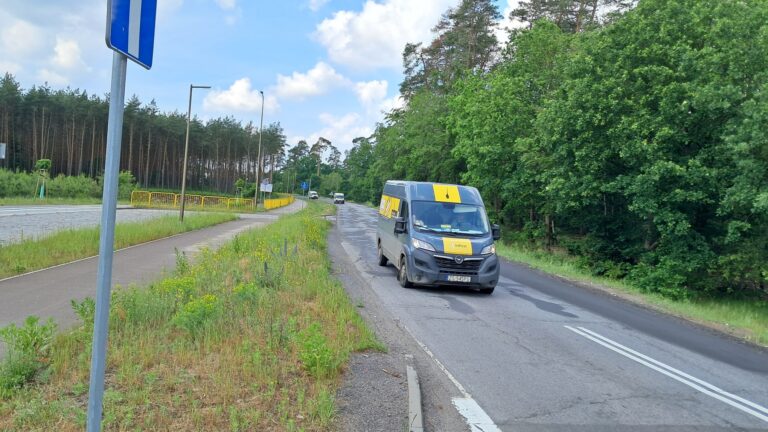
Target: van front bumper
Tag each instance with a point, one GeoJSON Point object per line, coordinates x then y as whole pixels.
{"type": "Point", "coordinates": [430, 268]}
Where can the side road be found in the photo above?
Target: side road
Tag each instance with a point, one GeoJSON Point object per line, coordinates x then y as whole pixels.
{"type": "Point", "coordinates": [47, 293]}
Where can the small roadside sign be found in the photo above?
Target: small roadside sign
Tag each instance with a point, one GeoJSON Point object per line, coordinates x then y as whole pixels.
{"type": "Point", "coordinates": [304, 185]}
{"type": "Point", "coordinates": [2, 150]}
{"type": "Point", "coordinates": [131, 29]}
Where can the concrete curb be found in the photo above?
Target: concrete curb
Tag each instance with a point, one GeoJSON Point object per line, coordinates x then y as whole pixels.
{"type": "Point", "coordinates": [415, 422]}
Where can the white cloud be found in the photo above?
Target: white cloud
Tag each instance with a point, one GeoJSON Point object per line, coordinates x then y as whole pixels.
{"type": "Point", "coordinates": [52, 78]}
{"type": "Point", "coordinates": [67, 54]}
{"type": "Point", "coordinates": [375, 37]}
{"type": "Point", "coordinates": [506, 23]}
{"type": "Point", "coordinates": [227, 4]}
{"type": "Point", "coordinates": [371, 92]}
{"type": "Point", "coordinates": [339, 130]}
{"type": "Point", "coordinates": [21, 38]}
{"type": "Point", "coordinates": [316, 81]}
{"type": "Point", "coordinates": [166, 8]}
{"type": "Point", "coordinates": [315, 5]}
{"type": "Point", "coordinates": [240, 97]}
{"type": "Point", "coordinates": [395, 102]}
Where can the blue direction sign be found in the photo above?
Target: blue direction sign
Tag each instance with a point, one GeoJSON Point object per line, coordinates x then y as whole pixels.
{"type": "Point", "coordinates": [131, 29]}
{"type": "Point", "coordinates": [304, 185]}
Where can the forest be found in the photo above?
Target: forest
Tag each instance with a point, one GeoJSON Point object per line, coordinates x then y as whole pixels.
{"type": "Point", "coordinates": [69, 126]}
{"type": "Point", "coordinates": [631, 134]}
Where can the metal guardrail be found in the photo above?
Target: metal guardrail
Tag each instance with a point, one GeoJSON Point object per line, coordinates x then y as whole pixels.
{"type": "Point", "coordinates": [274, 203]}
{"type": "Point", "coordinates": [173, 200]}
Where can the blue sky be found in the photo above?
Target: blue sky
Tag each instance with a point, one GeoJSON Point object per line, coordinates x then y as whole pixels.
{"type": "Point", "coordinates": [327, 67]}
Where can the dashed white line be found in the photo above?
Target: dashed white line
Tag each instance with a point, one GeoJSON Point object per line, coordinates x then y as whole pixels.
{"type": "Point", "coordinates": [708, 389]}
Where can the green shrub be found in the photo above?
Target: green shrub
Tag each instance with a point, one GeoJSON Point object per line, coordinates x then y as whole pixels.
{"type": "Point", "coordinates": [32, 338]}
{"type": "Point", "coordinates": [85, 310]}
{"type": "Point", "coordinates": [196, 314]}
{"type": "Point", "coordinates": [16, 370]}
{"type": "Point", "coordinates": [72, 187]}
{"type": "Point", "coordinates": [126, 184]}
{"type": "Point", "coordinates": [28, 348]}
{"type": "Point", "coordinates": [14, 184]}
{"type": "Point", "coordinates": [315, 354]}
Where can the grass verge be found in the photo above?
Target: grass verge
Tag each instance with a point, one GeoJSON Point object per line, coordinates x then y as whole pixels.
{"type": "Point", "coordinates": [69, 245]}
{"type": "Point", "coordinates": [744, 318]}
{"type": "Point", "coordinates": [229, 343]}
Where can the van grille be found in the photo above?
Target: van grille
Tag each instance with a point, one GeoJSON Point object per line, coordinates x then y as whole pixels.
{"type": "Point", "coordinates": [469, 266]}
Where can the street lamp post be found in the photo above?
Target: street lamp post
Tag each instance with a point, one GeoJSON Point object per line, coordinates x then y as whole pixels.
{"type": "Point", "coordinates": [258, 158]}
{"type": "Point", "coordinates": [186, 152]}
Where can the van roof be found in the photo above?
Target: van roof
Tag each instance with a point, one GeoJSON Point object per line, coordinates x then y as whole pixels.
{"type": "Point", "coordinates": [442, 192]}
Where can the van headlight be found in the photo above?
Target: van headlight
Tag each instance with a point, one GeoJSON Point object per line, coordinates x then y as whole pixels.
{"type": "Point", "coordinates": [418, 244]}
{"type": "Point", "coordinates": [489, 250]}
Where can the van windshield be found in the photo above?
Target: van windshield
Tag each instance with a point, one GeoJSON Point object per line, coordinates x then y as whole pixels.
{"type": "Point", "coordinates": [449, 218]}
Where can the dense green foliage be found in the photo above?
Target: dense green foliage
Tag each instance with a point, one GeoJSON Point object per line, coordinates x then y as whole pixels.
{"type": "Point", "coordinates": [635, 140]}
{"type": "Point", "coordinates": [22, 184]}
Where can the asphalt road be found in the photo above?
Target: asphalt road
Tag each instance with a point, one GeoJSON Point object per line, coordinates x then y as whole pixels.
{"type": "Point", "coordinates": [541, 354]}
{"type": "Point", "coordinates": [47, 293]}
{"type": "Point", "coordinates": [23, 222]}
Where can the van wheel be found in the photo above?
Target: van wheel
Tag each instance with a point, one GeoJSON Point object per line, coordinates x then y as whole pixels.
{"type": "Point", "coordinates": [380, 256]}
{"type": "Point", "coordinates": [487, 290]}
{"type": "Point", "coordinates": [402, 274]}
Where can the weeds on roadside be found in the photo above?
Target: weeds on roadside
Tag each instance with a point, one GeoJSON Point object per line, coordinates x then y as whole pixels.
{"type": "Point", "coordinates": [222, 344]}
{"type": "Point", "coordinates": [28, 348]}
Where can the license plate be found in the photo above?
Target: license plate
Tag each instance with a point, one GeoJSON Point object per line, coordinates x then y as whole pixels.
{"type": "Point", "coordinates": [457, 278]}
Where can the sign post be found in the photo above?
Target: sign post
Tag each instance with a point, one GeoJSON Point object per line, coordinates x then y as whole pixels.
{"type": "Point", "coordinates": [130, 33]}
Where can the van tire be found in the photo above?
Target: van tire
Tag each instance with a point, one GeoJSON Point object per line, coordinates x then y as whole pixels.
{"type": "Point", "coordinates": [487, 290]}
{"type": "Point", "coordinates": [380, 255]}
{"type": "Point", "coordinates": [402, 273]}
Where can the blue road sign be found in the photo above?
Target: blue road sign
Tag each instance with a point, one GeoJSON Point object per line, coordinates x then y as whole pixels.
{"type": "Point", "coordinates": [304, 185]}
{"type": "Point", "coordinates": [131, 29]}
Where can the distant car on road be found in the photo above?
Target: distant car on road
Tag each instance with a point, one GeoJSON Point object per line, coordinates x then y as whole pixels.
{"type": "Point", "coordinates": [313, 195]}
{"type": "Point", "coordinates": [338, 198]}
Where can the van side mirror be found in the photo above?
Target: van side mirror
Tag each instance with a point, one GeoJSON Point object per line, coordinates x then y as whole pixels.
{"type": "Point", "coordinates": [400, 225]}
{"type": "Point", "coordinates": [496, 232]}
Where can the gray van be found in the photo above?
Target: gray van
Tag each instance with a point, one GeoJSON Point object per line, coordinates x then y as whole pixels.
{"type": "Point", "coordinates": [437, 234]}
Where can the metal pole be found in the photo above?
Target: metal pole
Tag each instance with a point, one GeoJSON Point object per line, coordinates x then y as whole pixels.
{"type": "Point", "coordinates": [106, 242]}
{"type": "Point", "coordinates": [186, 153]}
{"type": "Point", "coordinates": [258, 163]}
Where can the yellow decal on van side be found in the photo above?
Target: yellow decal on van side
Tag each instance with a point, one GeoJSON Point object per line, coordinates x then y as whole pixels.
{"type": "Point", "coordinates": [446, 193]}
{"type": "Point", "coordinates": [389, 207]}
{"type": "Point", "coordinates": [457, 246]}
{"type": "Point", "coordinates": [394, 207]}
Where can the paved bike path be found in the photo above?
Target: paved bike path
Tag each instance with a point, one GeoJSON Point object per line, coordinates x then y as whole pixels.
{"type": "Point", "coordinates": [47, 293]}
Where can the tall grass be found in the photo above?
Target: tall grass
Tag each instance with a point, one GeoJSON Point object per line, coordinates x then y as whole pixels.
{"type": "Point", "coordinates": [228, 343]}
{"type": "Point", "coordinates": [72, 244]}
{"type": "Point", "coordinates": [746, 318]}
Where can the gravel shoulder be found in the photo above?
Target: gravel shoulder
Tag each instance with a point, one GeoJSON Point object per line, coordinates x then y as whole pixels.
{"type": "Point", "coordinates": [374, 392]}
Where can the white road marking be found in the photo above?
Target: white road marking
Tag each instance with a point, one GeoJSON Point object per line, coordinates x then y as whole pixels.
{"type": "Point", "coordinates": [704, 387]}
{"type": "Point", "coordinates": [477, 419]}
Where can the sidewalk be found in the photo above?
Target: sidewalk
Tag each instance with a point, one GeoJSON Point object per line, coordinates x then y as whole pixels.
{"type": "Point", "coordinates": [47, 293]}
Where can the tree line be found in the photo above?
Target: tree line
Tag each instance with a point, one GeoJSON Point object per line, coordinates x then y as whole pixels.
{"type": "Point", "coordinates": [68, 126]}
{"type": "Point", "coordinates": [631, 134]}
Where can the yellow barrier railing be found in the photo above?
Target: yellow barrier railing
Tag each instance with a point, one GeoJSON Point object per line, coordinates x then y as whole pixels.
{"type": "Point", "coordinates": [173, 200]}
{"type": "Point", "coordinates": [274, 203]}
